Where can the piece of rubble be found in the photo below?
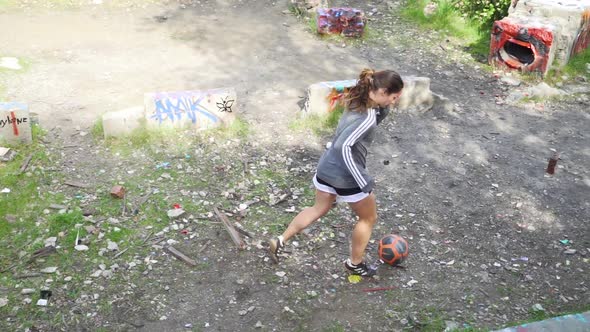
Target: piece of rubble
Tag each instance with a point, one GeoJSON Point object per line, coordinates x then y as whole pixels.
{"type": "Point", "coordinates": [118, 191]}
{"type": "Point", "coordinates": [51, 269]}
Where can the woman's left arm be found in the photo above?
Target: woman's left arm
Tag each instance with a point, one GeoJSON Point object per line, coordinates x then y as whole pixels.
{"type": "Point", "coordinates": [382, 113]}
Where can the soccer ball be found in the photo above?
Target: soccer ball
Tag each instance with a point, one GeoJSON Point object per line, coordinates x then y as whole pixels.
{"type": "Point", "coordinates": [393, 249]}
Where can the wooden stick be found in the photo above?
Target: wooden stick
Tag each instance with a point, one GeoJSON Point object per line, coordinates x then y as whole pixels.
{"type": "Point", "coordinates": [181, 256]}
{"type": "Point", "coordinates": [75, 184]}
{"type": "Point", "coordinates": [235, 236]}
{"type": "Point", "coordinates": [378, 289]}
{"type": "Point", "coordinates": [25, 164]}
{"type": "Point", "coordinates": [120, 253]}
{"type": "Point", "coordinates": [203, 247]}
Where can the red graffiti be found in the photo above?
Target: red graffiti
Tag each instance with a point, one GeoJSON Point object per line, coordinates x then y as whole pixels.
{"type": "Point", "coordinates": [349, 22]}
{"type": "Point", "coordinates": [516, 46]}
{"type": "Point", "coordinates": [14, 127]}
{"type": "Point", "coordinates": [583, 39]}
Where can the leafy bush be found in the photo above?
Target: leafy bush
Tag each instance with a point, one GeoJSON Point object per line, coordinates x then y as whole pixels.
{"type": "Point", "coordinates": [484, 11]}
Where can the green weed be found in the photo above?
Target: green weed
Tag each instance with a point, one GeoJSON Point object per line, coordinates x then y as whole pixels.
{"type": "Point", "coordinates": [577, 66]}
{"type": "Point", "coordinates": [447, 20]}
{"type": "Point", "coordinates": [320, 125]}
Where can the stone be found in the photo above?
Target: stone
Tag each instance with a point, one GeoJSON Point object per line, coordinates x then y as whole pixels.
{"type": "Point", "coordinates": [511, 81]}
{"type": "Point", "coordinates": [430, 9]}
{"type": "Point", "coordinates": [112, 246]}
{"type": "Point", "coordinates": [3, 302]}
{"type": "Point", "coordinates": [543, 90]}
{"type": "Point", "coordinates": [175, 213]}
{"type": "Point", "coordinates": [27, 291]}
{"type": "Point", "coordinates": [199, 109]}
{"type": "Point", "coordinates": [123, 122]}
{"type": "Point", "coordinates": [51, 269]}
{"type": "Point", "coordinates": [15, 123]}
{"type": "Point", "coordinates": [118, 191]}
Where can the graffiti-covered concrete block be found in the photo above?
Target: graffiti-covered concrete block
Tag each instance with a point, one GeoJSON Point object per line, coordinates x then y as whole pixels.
{"type": "Point", "coordinates": [523, 44]}
{"type": "Point", "coordinates": [196, 109]}
{"type": "Point", "coordinates": [539, 34]}
{"type": "Point", "coordinates": [121, 123]}
{"type": "Point", "coordinates": [349, 22]}
{"type": "Point", "coordinates": [323, 97]}
{"type": "Point", "coordinates": [15, 123]}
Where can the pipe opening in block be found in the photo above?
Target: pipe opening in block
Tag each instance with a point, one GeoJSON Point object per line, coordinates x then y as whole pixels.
{"type": "Point", "coordinates": [517, 53]}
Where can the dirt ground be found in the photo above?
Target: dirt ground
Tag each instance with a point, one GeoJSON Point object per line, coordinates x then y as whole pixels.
{"type": "Point", "coordinates": [467, 188]}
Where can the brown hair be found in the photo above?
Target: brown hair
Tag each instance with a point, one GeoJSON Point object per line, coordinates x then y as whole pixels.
{"type": "Point", "coordinates": [357, 98]}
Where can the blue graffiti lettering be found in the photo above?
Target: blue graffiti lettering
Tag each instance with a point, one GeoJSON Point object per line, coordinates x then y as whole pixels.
{"type": "Point", "coordinates": [172, 108]}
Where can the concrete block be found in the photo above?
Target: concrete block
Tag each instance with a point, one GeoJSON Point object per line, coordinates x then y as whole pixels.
{"type": "Point", "coordinates": [416, 94]}
{"type": "Point", "coordinates": [349, 22]}
{"type": "Point", "coordinates": [323, 97]}
{"type": "Point", "coordinates": [539, 34]}
{"type": "Point", "coordinates": [194, 109]}
{"type": "Point", "coordinates": [15, 123]}
{"type": "Point", "coordinates": [525, 44]}
{"type": "Point", "coordinates": [121, 123]}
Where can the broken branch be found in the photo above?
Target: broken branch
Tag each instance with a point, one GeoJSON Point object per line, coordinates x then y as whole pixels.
{"type": "Point", "coordinates": [230, 229]}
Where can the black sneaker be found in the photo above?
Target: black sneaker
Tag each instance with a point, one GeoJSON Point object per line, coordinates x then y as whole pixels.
{"type": "Point", "coordinates": [360, 269]}
{"type": "Point", "coordinates": [275, 248]}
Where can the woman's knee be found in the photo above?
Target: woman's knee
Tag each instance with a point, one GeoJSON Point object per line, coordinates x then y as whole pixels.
{"type": "Point", "coordinates": [322, 209]}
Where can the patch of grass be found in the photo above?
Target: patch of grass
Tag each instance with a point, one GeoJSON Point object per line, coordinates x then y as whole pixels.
{"type": "Point", "coordinates": [296, 11]}
{"type": "Point", "coordinates": [334, 326]}
{"type": "Point", "coordinates": [535, 316]}
{"type": "Point", "coordinates": [238, 128]}
{"type": "Point", "coordinates": [97, 130]}
{"type": "Point", "coordinates": [320, 125]}
{"type": "Point", "coordinates": [577, 66]}
{"type": "Point", "coordinates": [447, 20]}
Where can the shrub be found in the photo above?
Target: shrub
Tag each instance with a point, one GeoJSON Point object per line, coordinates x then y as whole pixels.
{"type": "Point", "coordinates": [484, 11]}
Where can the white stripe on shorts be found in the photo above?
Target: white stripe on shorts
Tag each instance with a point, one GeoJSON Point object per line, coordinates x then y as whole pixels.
{"type": "Point", "coordinates": [347, 199]}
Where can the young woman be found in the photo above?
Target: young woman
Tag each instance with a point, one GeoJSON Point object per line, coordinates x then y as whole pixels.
{"type": "Point", "coordinates": [341, 172]}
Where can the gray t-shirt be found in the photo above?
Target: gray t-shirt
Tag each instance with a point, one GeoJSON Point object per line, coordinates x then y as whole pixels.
{"type": "Point", "coordinates": [343, 165]}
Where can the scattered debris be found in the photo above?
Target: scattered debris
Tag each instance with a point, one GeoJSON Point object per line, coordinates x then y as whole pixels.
{"type": "Point", "coordinates": [179, 255]}
{"type": "Point", "coordinates": [44, 298]}
{"type": "Point", "coordinates": [7, 154]}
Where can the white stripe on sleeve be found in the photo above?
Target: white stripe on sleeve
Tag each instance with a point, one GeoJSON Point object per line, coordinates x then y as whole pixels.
{"type": "Point", "coordinates": [350, 141]}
